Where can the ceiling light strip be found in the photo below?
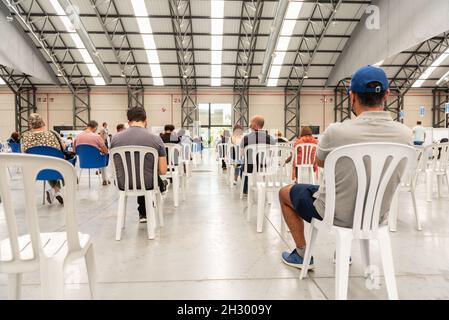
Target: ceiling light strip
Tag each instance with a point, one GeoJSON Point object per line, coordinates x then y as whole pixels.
{"type": "Point", "coordinates": [428, 72]}
{"type": "Point", "coordinates": [144, 24]}
{"type": "Point", "coordinates": [217, 15]}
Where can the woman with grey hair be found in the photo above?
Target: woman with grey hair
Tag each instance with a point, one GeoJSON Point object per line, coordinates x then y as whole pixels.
{"type": "Point", "coordinates": [40, 136]}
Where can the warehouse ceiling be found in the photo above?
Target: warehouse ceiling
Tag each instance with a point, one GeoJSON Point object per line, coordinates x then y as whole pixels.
{"type": "Point", "coordinates": [209, 43]}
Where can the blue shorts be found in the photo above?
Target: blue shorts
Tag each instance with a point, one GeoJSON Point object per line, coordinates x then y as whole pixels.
{"type": "Point", "coordinates": [301, 196]}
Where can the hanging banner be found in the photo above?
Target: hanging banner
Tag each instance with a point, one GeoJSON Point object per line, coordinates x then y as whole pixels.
{"type": "Point", "coordinates": [422, 111]}
{"type": "Point", "coordinates": [446, 109]}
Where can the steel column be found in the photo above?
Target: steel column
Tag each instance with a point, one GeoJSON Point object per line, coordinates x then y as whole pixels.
{"type": "Point", "coordinates": [342, 103]}
{"type": "Point", "coordinates": [292, 107]}
{"type": "Point", "coordinates": [307, 49]}
{"type": "Point", "coordinates": [24, 96]}
{"type": "Point", "coordinates": [440, 119]}
{"type": "Point", "coordinates": [249, 27]}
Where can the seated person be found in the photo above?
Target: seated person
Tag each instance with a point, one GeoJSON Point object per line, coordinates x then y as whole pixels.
{"type": "Point", "coordinates": [138, 135]}
{"type": "Point", "coordinates": [169, 135]}
{"type": "Point", "coordinates": [305, 137]}
{"type": "Point", "coordinates": [256, 136]}
{"type": "Point", "coordinates": [89, 136]}
{"type": "Point", "coordinates": [299, 202]}
{"type": "Point", "coordinates": [120, 128]}
{"type": "Point", "coordinates": [40, 136]}
{"type": "Point", "coordinates": [280, 138]}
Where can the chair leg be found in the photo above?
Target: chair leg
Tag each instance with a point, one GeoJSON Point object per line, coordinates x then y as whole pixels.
{"type": "Point", "coordinates": [249, 199]}
{"type": "Point", "coordinates": [343, 253]}
{"type": "Point", "coordinates": [89, 177]}
{"type": "Point", "coordinates": [309, 249]}
{"type": "Point", "coordinates": [52, 280]}
{"type": "Point", "coordinates": [242, 186]}
{"type": "Point", "coordinates": [176, 189]}
{"type": "Point", "coordinates": [365, 251]}
{"type": "Point", "coordinates": [91, 271]}
{"type": "Point", "coordinates": [43, 193]}
{"type": "Point", "coordinates": [312, 174]}
{"type": "Point", "coordinates": [415, 208]}
{"type": "Point", "coordinates": [261, 195]}
{"type": "Point", "coordinates": [124, 212]}
{"type": "Point", "coordinates": [151, 218]}
{"type": "Point", "coordinates": [387, 263]}
{"type": "Point", "coordinates": [439, 185]}
{"type": "Point", "coordinates": [393, 215]}
{"type": "Point", "coordinates": [160, 209]}
{"type": "Point", "coordinates": [120, 214]}
{"type": "Point", "coordinates": [14, 286]}
{"type": "Point", "coordinates": [429, 176]}
{"type": "Point", "coordinates": [447, 181]}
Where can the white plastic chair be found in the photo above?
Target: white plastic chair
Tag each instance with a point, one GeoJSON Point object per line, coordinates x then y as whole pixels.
{"type": "Point", "coordinates": [283, 170]}
{"type": "Point", "coordinates": [408, 185]}
{"type": "Point", "coordinates": [370, 195]}
{"type": "Point", "coordinates": [186, 156]}
{"type": "Point", "coordinates": [222, 154]}
{"type": "Point", "coordinates": [48, 253]}
{"type": "Point", "coordinates": [174, 152]}
{"type": "Point", "coordinates": [124, 158]}
{"type": "Point", "coordinates": [306, 162]}
{"type": "Point", "coordinates": [436, 158]}
{"type": "Point", "coordinates": [234, 159]}
{"type": "Point", "coordinates": [260, 156]}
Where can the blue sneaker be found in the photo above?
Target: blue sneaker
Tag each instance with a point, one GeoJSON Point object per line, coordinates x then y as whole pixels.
{"type": "Point", "coordinates": [293, 259]}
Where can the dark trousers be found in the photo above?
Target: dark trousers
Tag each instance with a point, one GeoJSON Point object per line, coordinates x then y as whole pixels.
{"type": "Point", "coordinates": [141, 199]}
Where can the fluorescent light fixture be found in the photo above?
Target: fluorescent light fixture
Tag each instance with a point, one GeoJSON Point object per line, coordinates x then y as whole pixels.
{"type": "Point", "coordinates": [428, 72]}
{"type": "Point", "coordinates": [93, 70]}
{"type": "Point", "coordinates": [288, 26]}
{"type": "Point", "coordinates": [444, 78]}
{"type": "Point", "coordinates": [144, 24]}
{"type": "Point", "coordinates": [379, 63]}
{"type": "Point", "coordinates": [217, 14]}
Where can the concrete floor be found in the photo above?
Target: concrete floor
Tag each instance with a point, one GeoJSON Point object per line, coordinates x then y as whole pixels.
{"type": "Point", "coordinates": [207, 249]}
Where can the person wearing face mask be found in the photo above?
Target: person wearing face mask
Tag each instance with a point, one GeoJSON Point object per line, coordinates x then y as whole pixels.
{"type": "Point", "coordinates": [256, 136]}
{"type": "Point", "coordinates": [301, 202]}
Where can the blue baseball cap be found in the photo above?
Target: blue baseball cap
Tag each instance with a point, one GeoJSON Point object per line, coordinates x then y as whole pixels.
{"type": "Point", "coordinates": [365, 75]}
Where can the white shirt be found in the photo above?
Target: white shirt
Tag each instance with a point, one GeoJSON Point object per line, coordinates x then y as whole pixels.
{"type": "Point", "coordinates": [419, 133]}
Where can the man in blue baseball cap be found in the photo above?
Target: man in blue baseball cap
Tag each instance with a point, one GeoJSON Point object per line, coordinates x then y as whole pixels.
{"type": "Point", "coordinates": [367, 92]}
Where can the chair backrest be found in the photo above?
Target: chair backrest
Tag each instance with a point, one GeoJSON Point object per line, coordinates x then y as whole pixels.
{"type": "Point", "coordinates": [260, 156]}
{"type": "Point", "coordinates": [186, 151]}
{"type": "Point", "coordinates": [174, 153]}
{"type": "Point", "coordinates": [90, 157]}
{"type": "Point", "coordinates": [222, 149]}
{"type": "Point", "coordinates": [305, 153]}
{"type": "Point", "coordinates": [436, 157]}
{"type": "Point", "coordinates": [130, 161]}
{"type": "Point", "coordinates": [234, 153]}
{"type": "Point", "coordinates": [281, 153]}
{"type": "Point", "coordinates": [30, 166]}
{"type": "Point", "coordinates": [285, 144]}
{"type": "Point", "coordinates": [384, 160]}
{"type": "Point", "coordinates": [49, 152]}
{"type": "Point", "coordinates": [15, 147]}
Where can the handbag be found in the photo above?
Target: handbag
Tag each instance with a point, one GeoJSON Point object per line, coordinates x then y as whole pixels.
{"type": "Point", "coordinates": [68, 155]}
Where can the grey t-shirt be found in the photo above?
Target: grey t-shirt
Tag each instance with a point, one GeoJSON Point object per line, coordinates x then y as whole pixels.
{"type": "Point", "coordinates": [137, 136]}
{"type": "Point", "coordinates": [370, 126]}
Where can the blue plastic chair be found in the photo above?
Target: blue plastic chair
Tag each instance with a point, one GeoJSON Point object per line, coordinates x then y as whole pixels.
{"type": "Point", "coordinates": [48, 174]}
{"type": "Point", "coordinates": [15, 147]}
{"type": "Point", "coordinates": [90, 158]}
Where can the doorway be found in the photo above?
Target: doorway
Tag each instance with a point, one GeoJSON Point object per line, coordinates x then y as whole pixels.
{"type": "Point", "coordinates": [214, 118]}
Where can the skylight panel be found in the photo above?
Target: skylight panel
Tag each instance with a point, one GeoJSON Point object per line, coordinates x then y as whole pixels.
{"type": "Point", "coordinates": [288, 26]}
{"type": "Point", "coordinates": [146, 32]}
{"type": "Point", "coordinates": [2, 82]}
{"type": "Point", "coordinates": [217, 15]}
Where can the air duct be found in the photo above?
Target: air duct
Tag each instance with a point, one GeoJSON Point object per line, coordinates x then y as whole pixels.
{"type": "Point", "coordinates": [272, 40]}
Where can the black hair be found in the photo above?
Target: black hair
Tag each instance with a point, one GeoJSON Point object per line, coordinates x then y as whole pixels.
{"type": "Point", "coordinates": [371, 99]}
{"type": "Point", "coordinates": [169, 127]}
{"type": "Point", "coordinates": [418, 122]}
{"type": "Point", "coordinates": [92, 124]}
{"type": "Point", "coordinates": [137, 114]}
{"type": "Point", "coordinates": [120, 126]}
